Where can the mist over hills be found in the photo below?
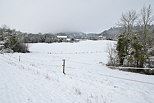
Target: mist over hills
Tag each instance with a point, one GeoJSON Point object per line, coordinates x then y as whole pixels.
{"type": "Point", "coordinates": [111, 34]}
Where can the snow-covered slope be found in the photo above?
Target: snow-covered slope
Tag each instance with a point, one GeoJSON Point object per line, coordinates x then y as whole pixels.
{"type": "Point", "coordinates": [37, 77]}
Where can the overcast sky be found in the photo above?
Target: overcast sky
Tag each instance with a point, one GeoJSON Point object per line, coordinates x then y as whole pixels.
{"type": "Point", "coordinates": [65, 15]}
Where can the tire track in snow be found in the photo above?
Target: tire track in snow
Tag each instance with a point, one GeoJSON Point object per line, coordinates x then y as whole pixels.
{"type": "Point", "coordinates": [28, 91]}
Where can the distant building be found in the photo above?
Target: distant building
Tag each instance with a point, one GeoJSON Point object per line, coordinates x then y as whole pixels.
{"type": "Point", "coordinates": [151, 61]}
{"type": "Point", "coordinates": [2, 42]}
{"type": "Point", "coordinates": [101, 37]}
{"type": "Point", "coordinates": [2, 45]}
{"type": "Point", "coordinates": [62, 38]}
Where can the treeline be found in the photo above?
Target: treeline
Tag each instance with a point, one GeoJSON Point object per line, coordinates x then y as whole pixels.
{"type": "Point", "coordinates": [38, 38]}
{"type": "Point", "coordinates": [10, 41]}
{"type": "Point", "coordinates": [16, 41]}
{"type": "Point", "coordinates": [52, 37]}
{"type": "Point", "coordinates": [134, 48]}
{"type": "Point", "coordinates": [35, 38]}
{"type": "Point", "coordinates": [49, 37]}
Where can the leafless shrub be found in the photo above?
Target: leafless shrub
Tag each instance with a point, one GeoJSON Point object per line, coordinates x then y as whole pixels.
{"type": "Point", "coordinates": [112, 55]}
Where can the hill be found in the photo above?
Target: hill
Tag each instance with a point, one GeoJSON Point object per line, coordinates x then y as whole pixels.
{"type": "Point", "coordinates": [113, 32]}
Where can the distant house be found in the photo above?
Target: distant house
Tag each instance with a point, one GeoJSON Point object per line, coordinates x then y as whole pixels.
{"type": "Point", "coordinates": [2, 45]}
{"type": "Point", "coordinates": [2, 42]}
{"type": "Point", "coordinates": [68, 39]}
{"type": "Point", "coordinates": [151, 61]}
{"type": "Point", "coordinates": [62, 38]}
{"type": "Point", "coordinates": [101, 37]}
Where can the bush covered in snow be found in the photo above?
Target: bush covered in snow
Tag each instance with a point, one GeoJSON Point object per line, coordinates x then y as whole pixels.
{"type": "Point", "coordinates": [10, 42]}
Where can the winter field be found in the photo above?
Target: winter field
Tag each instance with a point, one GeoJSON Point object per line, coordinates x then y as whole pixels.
{"type": "Point", "coordinates": [37, 77]}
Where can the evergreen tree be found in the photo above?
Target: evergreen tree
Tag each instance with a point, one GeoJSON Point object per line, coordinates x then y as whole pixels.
{"type": "Point", "coordinates": [122, 46]}
{"type": "Point", "coordinates": [138, 52]}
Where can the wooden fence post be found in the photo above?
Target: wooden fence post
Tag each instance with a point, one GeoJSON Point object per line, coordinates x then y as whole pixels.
{"type": "Point", "coordinates": [63, 66]}
{"type": "Point", "coordinates": [19, 58]}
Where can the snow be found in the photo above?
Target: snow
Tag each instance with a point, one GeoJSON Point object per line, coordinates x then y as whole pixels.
{"type": "Point", "coordinates": [61, 36]}
{"type": "Point", "coordinates": [37, 77]}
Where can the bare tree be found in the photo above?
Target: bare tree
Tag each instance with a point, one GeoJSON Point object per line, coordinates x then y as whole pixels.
{"type": "Point", "coordinates": [145, 33]}
{"type": "Point", "coordinates": [134, 44]}
{"type": "Point", "coordinates": [112, 55]}
{"type": "Point", "coordinates": [146, 19]}
{"type": "Point", "coordinates": [127, 21]}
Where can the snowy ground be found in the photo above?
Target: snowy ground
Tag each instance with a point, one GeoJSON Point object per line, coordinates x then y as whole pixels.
{"type": "Point", "coordinates": [38, 77]}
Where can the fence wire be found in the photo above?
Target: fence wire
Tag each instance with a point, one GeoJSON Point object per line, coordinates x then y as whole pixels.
{"type": "Point", "coordinates": [88, 64]}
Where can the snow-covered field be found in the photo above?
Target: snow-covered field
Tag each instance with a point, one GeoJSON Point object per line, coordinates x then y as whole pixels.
{"type": "Point", "coordinates": [37, 77]}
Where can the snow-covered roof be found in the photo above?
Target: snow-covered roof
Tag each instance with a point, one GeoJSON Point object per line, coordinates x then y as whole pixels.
{"type": "Point", "coordinates": [152, 57]}
{"type": "Point", "coordinates": [2, 42]}
{"type": "Point", "coordinates": [1, 45]}
{"type": "Point", "coordinates": [100, 36]}
{"type": "Point", "coordinates": [61, 36]}
{"type": "Point", "coordinates": [68, 39]}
